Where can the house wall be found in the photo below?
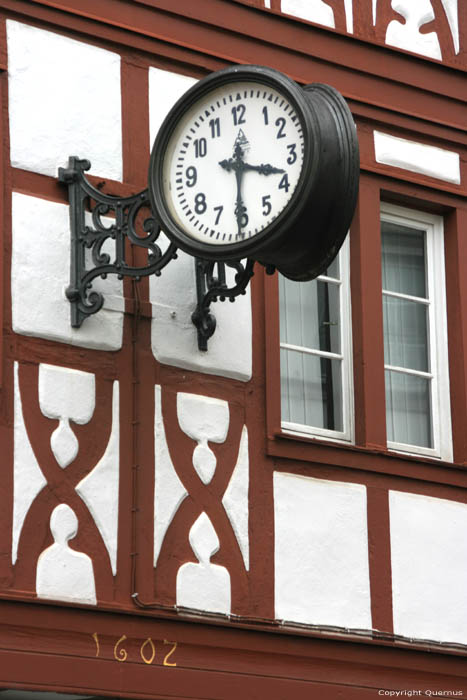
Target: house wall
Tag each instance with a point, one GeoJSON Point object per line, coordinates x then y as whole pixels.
{"type": "Point", "coordinates": [143, 476]}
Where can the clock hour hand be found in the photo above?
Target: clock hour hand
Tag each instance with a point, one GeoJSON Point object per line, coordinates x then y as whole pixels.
{"type": "Point", "coordinates": [263, 169]}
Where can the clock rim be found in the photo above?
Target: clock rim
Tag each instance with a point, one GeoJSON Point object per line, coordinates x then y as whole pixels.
{"type": "Point", "coordinates": [251, 247]}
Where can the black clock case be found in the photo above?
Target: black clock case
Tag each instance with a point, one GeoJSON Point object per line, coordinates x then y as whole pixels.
{"type": "Point", "coordinates": [303, 240]}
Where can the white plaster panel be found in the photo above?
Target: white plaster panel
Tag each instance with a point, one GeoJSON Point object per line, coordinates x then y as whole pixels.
{"type": "Point", "coordinates": [169, 491]}
{"type": "Point", "coordinates": [174, 337]}
{"type": "Point", "coordinates": [99, 489]}
{"type": "Point", "coordinates": [417, 157]}
{"type": "Point", "coordinates": [203, 419]}
{"type": "Point", "coordinates": [63, 573]}
{"type": "Point", "coordinates": [406, 34]}
{"type": "Point", "coordinates": [64, 99]}
{"type": "Point", "coordinates": [204, 586]}
{"type": "Point", "coordinates": [28, 477]}
{"type": "Point", "coordinates": [66, 394]}
{"type": "Point", "coordinates": [235, 500]}
{"type": "Point", "coordinates": [40, 276]}
{"type": "Point", "coordinates": [165, 88]}
{"type": "Point", "coordinates": [321, 552]}
{"type": "Point", "coordinates": [429, 567]}
{"type": "Point", "coordinates": [349, 15]}
{"type": "Point", "coordinates": [452, 13]}
{"type": "Point", "coordinates": [311, 10]}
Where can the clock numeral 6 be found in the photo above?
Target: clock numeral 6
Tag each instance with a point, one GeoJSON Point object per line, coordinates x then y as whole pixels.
{"type": "Point", "coordinates": [200, 203]}
{"type": "Point", "coordinates": [267, 206]}
{"type": "Point", "coordinates": [191, 176]}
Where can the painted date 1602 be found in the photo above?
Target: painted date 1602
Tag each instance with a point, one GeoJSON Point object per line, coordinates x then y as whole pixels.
{"type": "Point", "coordinates": [147, 651]}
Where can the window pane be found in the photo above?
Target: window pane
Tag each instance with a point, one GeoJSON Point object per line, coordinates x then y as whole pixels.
{"type": "Point", "coordinates": [333, 269]}
{"type": "Point", "coordinates": [405, 333]}
{"type": "Point", "coordinates": [403, 251]}
{"type": "Point", "coordinates": [311, 390]}
{"type": "Point", "coordinates": [309, 314]}
{"type": "Point", "coordinates": [408, 409]}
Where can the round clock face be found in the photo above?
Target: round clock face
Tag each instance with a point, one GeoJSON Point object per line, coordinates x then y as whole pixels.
{"type": "Point", "coordinates": [233, 162]}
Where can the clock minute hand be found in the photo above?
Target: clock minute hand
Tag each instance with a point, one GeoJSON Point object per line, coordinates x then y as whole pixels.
{"type": "Point", "coordinates": [238, 165]}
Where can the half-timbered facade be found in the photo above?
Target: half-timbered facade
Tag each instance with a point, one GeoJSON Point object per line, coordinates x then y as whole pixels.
{"type": "Point", "coordinates": [283, 515]}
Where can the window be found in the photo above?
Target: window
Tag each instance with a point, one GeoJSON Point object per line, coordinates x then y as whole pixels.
{"type": "Point", "coordinates": [315, 353]}
{"type": "Point", "coordinates": [415, 333]}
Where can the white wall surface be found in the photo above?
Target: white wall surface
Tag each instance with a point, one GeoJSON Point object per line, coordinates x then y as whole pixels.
{"type": "Point", "coordinates": [165, 88]}
{"type": "Point", "coordinates": [173, 294]}
{"type": "Point", "coordinates": [321, 552]}
{"type": "Point", "coordinates": [64, 99]}
{"type": "Point", "coordinates": [417, 157]}
{"type": "Point", "coordinates": [429, 567]}
{"type": "Point", "coordinates": [174, 337]}
{"type": "Point", "coordinates": [40, 275]}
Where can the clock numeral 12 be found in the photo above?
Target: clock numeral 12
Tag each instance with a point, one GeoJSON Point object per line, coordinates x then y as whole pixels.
{"type": "Point", "coordinates": [238, 114]}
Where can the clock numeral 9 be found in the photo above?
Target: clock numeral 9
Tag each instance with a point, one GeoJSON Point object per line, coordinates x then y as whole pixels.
{"type": "Point", "coordinates": [200, 203]}
{"type": "Point", "coordinates": [238, 114]}
{"type": "Point", "coordinates": [191, 176]}
{"type": "Point", "coordinates": [266, 203]}
{"type": "Point", "coordinates": [201, 147]}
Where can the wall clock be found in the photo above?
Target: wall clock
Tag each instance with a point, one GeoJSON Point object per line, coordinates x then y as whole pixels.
{"type": "Point", "coordinates": [250, 164]}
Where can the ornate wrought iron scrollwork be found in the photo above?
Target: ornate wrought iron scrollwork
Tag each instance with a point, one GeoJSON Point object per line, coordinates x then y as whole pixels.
{"type": "Point", "coordinates": [122, 212]}
{"type": "Point", "coordinates": [97, 218]}
{"type": "Point", "coordinates": [211, 288]}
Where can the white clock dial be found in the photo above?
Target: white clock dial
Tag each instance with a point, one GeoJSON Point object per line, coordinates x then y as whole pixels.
{"type": "Point", "coordinates": [233, 162]}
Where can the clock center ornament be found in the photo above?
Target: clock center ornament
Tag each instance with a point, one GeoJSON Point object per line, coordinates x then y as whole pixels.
{"type": "Point", "coordinates": [247, 167]}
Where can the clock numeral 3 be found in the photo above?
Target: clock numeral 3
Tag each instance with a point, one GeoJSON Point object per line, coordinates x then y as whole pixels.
{"type": "Point", "coordinates": [191, 176]}
{"type": "Point", "coordinates": [238, 114]}
{"type": "Point", "coordinates": [293, 155]}
{"type": "Point", "coordinates": [201, 147]}
{"type": "Point", "coordinates": [200, 203]}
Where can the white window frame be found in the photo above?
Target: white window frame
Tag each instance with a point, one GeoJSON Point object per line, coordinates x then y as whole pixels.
{"type": "Point", "coordinates": [346, 357]}
{"type": "Point", "coordinates": [437, 334]}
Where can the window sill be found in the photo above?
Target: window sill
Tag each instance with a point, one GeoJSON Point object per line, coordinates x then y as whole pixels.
{"type": "Point", "coordinates": [370, 458]}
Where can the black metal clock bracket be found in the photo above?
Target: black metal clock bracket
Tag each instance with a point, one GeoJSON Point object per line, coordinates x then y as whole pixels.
{"type": "Point", "coordinates": [123, 225]}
